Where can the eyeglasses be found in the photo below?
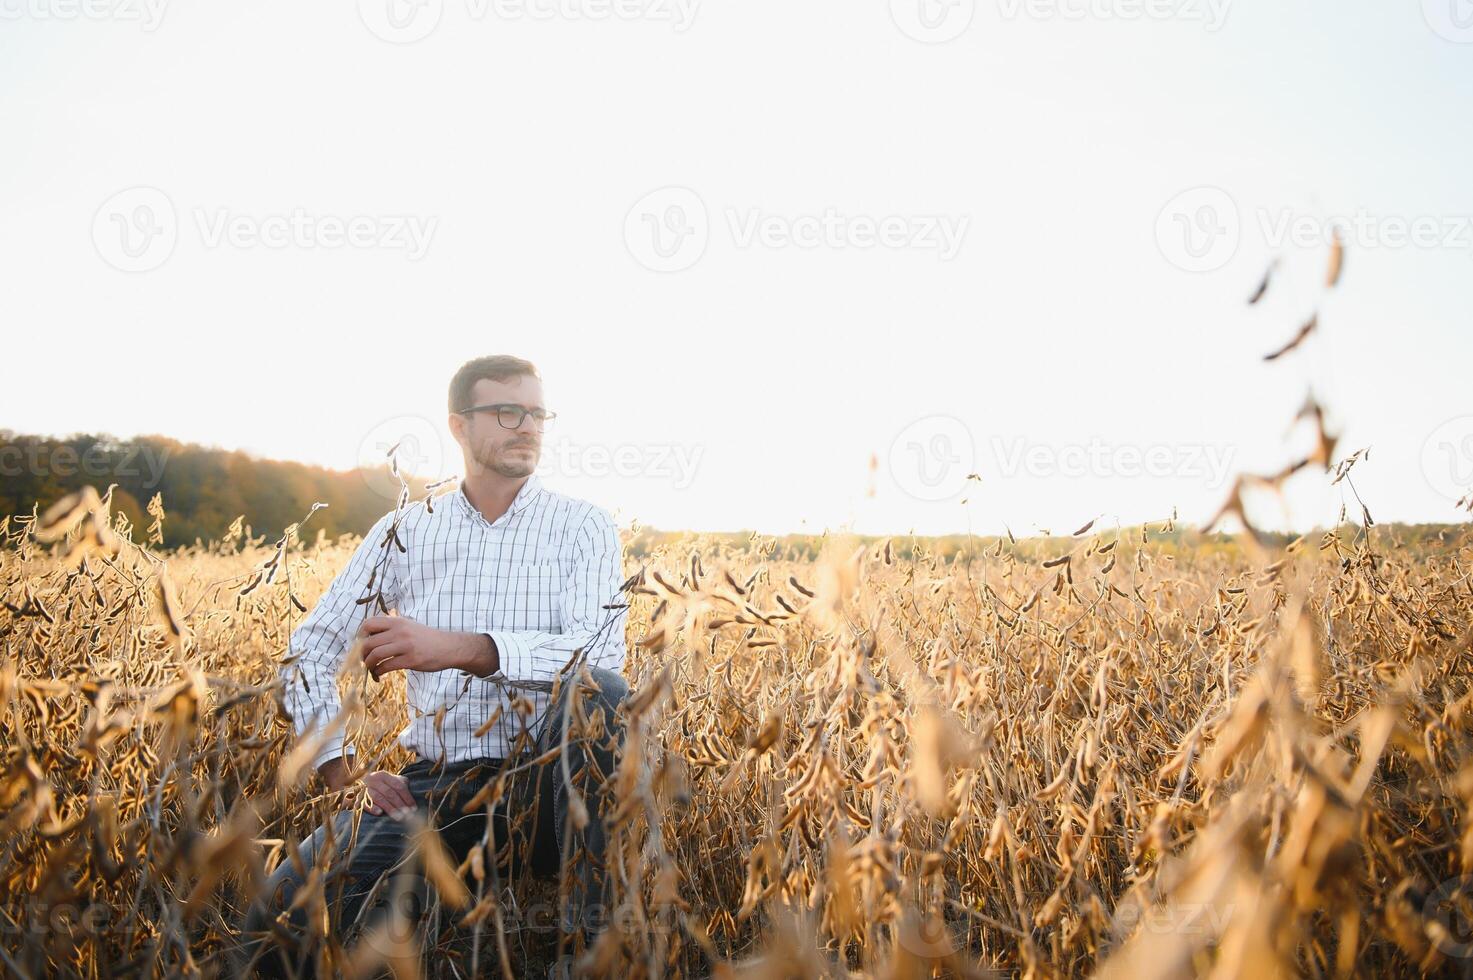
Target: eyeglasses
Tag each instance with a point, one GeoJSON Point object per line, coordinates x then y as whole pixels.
{"type": "Point", "coordinates": [511, 416]}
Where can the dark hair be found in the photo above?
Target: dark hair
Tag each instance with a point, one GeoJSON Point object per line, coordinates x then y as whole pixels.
{"type": "Point", "coordinates": [497, 367]}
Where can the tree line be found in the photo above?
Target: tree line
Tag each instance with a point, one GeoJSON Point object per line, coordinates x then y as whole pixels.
{"type": "Point", "coordinates": [204, 488]}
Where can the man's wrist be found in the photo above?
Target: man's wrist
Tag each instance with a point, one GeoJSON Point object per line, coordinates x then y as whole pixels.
{"type": "Point", "coordinates": [334, 772]}
{"type": "Point", "coordinates": [481, 657]}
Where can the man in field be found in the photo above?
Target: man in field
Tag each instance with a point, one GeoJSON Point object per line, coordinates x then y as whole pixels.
{"type": "Point", "coordinates": [494, 592]}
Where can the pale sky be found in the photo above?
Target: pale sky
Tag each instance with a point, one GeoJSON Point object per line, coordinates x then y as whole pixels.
{"type": "Point", "coordinates": [953, 238]}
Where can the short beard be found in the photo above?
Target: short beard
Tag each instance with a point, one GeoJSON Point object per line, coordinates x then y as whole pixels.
{"type": "Point", "coordinates": [509, 468]}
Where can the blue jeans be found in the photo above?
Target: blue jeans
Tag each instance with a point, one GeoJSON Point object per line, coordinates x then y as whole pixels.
{"type": "Point", "coordinates": [360, 879]}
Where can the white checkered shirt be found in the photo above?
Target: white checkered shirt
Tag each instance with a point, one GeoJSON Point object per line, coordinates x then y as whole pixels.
{"type": "Point", "coordinates": [535, 580]}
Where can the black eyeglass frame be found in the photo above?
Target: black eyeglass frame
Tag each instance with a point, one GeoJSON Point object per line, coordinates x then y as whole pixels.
{"type": "Point", "coordinates": [523, 412]}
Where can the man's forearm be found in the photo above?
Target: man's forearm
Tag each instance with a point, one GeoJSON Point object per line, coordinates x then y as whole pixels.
{"type": "Point", "coordinates": [481, 657]}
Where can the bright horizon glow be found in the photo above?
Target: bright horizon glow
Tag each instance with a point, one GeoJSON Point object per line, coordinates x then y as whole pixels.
{"type": "Point", "coordinates": [755, 382]}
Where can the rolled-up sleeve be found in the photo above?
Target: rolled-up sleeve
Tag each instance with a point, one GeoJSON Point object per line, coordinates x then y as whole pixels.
{"type": "Point", "coordinates": [592, 584]}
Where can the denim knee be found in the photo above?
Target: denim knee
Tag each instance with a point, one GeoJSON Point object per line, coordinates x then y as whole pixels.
{"type": "Point", "coordinates": [258, 943]}
{"type": "Point", "coordinates": [279, 891]}
{"type": "Point", "coordinates": [612, 688]}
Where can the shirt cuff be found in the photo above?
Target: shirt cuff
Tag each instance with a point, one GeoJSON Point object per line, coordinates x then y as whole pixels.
{"type": "Point", "coordinates": [513, 655]}
{"type": "Point", "coordinates": [327, 755]}
{"type": "Point", "coordinates": [334, 749]}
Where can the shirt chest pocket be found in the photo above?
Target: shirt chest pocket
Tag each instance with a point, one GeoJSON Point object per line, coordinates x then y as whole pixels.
{"type": "Point", "coordinates": [529, 596]}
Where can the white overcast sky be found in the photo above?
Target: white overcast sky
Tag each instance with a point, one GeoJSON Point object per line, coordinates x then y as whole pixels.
{"type": "Point", "coordinates": [802, 311]}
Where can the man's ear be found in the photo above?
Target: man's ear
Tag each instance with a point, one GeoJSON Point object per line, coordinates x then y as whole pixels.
{"type": "Point", "coordinates": [457, 427]}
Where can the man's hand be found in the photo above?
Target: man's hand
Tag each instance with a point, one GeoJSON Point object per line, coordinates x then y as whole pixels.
{"type": "Point", "coordinates": [388, 792]}
{"type": "Point", "coordinates": [397, 643]}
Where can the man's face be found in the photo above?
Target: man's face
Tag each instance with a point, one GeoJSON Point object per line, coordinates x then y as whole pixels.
{"type": "Point", "coordinates": [490, 446]}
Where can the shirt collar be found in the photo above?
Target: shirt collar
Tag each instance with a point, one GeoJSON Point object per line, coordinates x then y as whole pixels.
{"type": "Point", "coordinates": [529, 491]}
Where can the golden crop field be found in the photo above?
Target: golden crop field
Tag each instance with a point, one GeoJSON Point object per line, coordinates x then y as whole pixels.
{"type": "Point", "coordinates": [1110, 752]}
